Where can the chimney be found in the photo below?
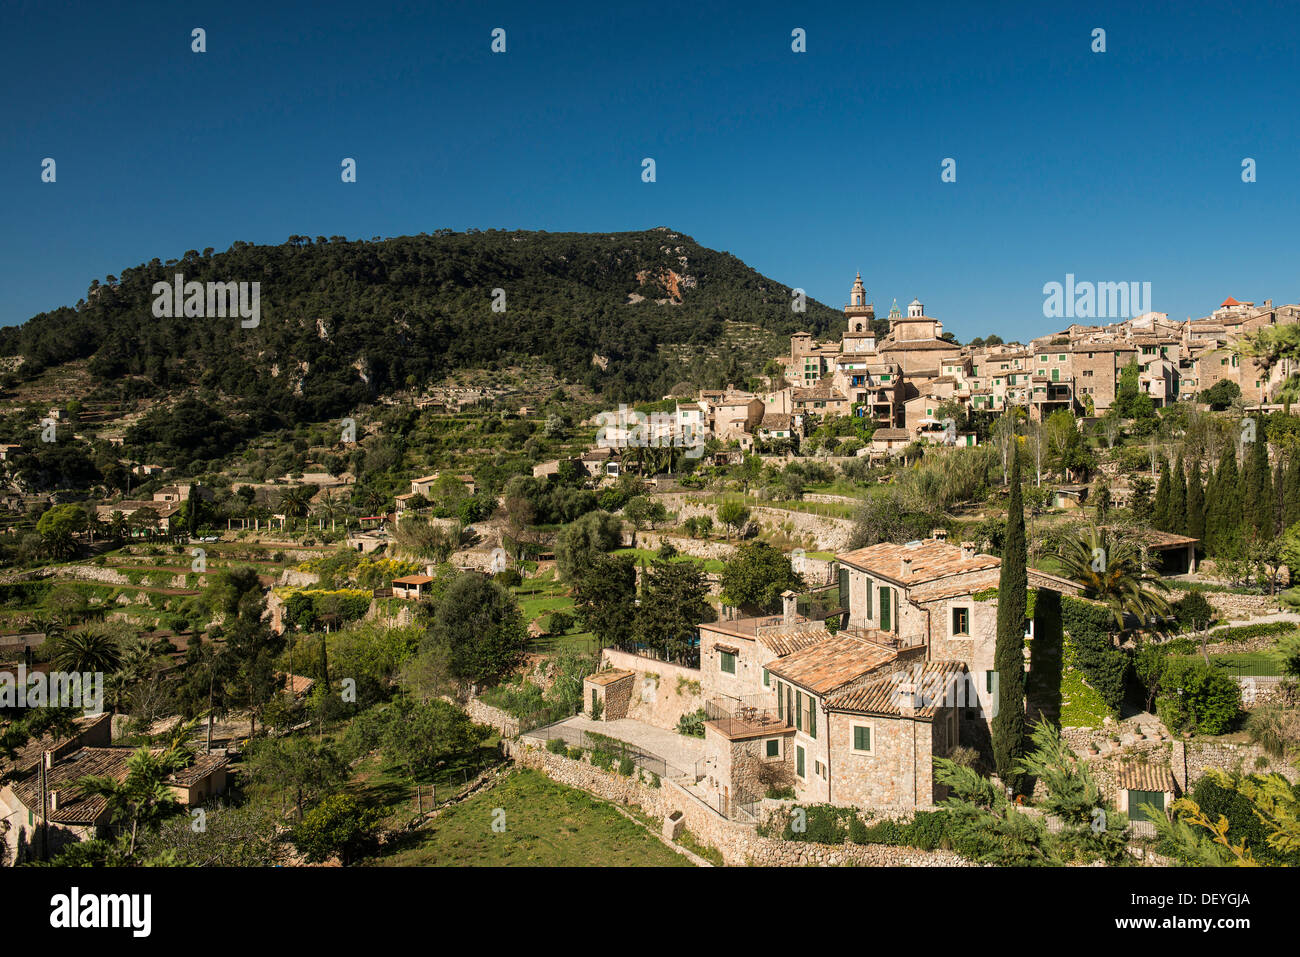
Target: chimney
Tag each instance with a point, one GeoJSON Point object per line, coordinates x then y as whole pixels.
{"type": "Point", "coordinates": [49, 760]}
{"type": "Point", "coordinates": [967, 549]}
{"type": "Point", "coordinates": [789, 606]}
{"type": "Point", "coordinates": [907, 699]}
{"type": "Point", "coordinates": [939, 534]}
{"type": "Point", "coordinates": [54, 801]}
{"type": "Point", "coordinates": [906, 568]}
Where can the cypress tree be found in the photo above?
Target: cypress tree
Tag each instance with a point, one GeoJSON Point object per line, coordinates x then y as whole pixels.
{"type": "Point", "coordinates": [1223, 518]}
{"type": "Point", "coordinates": [1279, 495]}
{"type": "Point", "coordinates": [1258, 486]}
{"type": "Point", "coordinates": [1178, 499]}
{"type": "Point", "coordinates": [1160, 509]}
{"type": "Point", "coordinates": [1291, 512]}
{"type": "Point", "coordinates": [1196, 504]}
{"type": "Point", "coordinates": [1008, 730]}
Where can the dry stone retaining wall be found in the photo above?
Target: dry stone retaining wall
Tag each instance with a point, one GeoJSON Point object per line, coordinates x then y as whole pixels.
{"type": "Point", "coordinates": [738, 843]}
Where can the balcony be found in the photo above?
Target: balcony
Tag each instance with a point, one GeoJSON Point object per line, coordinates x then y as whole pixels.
{"type": "Point", "coordinates": [750, 716]}
{"type": "Point", "coordinates": [886, 639]}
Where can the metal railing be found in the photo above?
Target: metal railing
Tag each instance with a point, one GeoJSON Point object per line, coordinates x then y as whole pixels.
{"type": "Point", "coordinates": [615, 749]}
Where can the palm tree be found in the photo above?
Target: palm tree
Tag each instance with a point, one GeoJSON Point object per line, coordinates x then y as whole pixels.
{"type": "Point", "coordinates": [329, 508]}
{"type": "Point", "coordinates": [118, 526]}
{"type": "Point", "coordinates": [85, 650]}
{"type": "Point", "coordinates": [144, 796]}
{"type": "Point", "coordinates": [1111, 570]}
{"type": "Point", "coordinates": [295, 502]}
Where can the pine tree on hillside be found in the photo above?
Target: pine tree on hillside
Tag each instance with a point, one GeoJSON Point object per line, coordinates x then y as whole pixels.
{"type": "Point", "coordinates": [1178, 499]}
{"type": "Point", "coordinates": [1196, 505]}
{"type": "Point", "coordinates": [1008, 731]}
{"type": "Point", "coordinates": [1160, 509]}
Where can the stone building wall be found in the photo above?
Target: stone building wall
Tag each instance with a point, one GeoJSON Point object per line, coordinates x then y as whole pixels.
{"type": "Point", "coordinates": [661, 692]}
{"type": "Point", "coordinates": [897, 771]}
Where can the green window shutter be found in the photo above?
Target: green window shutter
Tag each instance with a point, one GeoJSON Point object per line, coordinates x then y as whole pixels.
{"type": "Point", "coordinates": [798, 760]}
{"type": "Point", "coordinates": [798, 710]}
{"type": "Point", "coordinates": [812, 718]}
{"type": "Point", "coordinates": [728, 662]}
{"type": "Point", "coordinates": [773, 748]}
{"type": "Point", "coordinates": [767, 678]}
{"type": "Point", "coordinates": [1137, 798]}
{"type": "Point", "coordinates": [886, 618]}
{"type": "Point", "coordinates": [870, 584]}
{"type": "Point", "coordinates": [844, 587]}
{"type": "Point", "coordinates": [861, 738]}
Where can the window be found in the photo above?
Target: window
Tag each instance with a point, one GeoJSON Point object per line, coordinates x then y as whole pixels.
{"type": "Point", "coordinates": [1060, 358]}
{"type": "Point", "coordinates": [729, 662]}
{"type": "Point", "coordinates": [819, 769]}
{"type": "Point", "coordinates": [844, 587]}
{"type": "Point", "coordinates": [1137, 798]}
{"type": "Point", "coordinates": [862, 737]}
{"type": "Point", "coordinates": [960, 621]}
{"type": "Point", "coordinates": [767, 678]}
{"type": "Point", "coordinates": [780, 701]}
{"type": "Point", "coordinates": [810, 717]}
{"type": "Point", "coordinates": [799, 761]}
{"type": "Point", "coordinates": [886, 607]}
{"type": "Point", "coordinates": [773, 747]}
{"type": "Point", "coordinates": [989, 681]}
{"type": "Point", "coordinates": [798, 710]}
{"type": "Point", "coordinates": [870, 583]}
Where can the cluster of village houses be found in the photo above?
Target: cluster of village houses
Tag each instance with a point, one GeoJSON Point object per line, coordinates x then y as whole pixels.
{"type": "Point", "coordinates": [902, 380]}
{"type": "Point", "coordinates": [44, 805]}
{"type": "Point", "coordinates": [853, 715]}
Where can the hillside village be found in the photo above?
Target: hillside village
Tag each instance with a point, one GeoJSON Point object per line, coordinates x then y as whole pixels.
{"type": "Point", "coordinates": [888, 602]}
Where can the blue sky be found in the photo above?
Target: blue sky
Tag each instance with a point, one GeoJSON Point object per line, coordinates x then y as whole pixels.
{"type": "Point", "coordinates": [1115, 166]}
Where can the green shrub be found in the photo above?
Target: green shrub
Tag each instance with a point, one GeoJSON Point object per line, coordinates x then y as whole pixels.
{"type": "Point", "coordinates": [927, 830]}
{"type": "Point", "coordinates": [574, 754]}
{"type": "Point", "coordinates": [824, 824]}
{"type": "Point", "coordinates": [625, 767]}
{"type": "Point", "coordinates": [885, 831]}
{"type": "Point", "coordinates": [692, 724]}
{"type": "Point", "coordinates": [556, 746]}
{"type": "Point", "coordinates": [1197, 697]}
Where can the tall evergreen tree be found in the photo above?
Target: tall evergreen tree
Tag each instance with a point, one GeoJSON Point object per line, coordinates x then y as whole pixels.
{"type": "Point", "coordinates": [1008, 729]}
{"type": "Point", "coordinates": [1223, 519]}
{"type": "Point", "coordinates": [1160, 508]}
{"type": "Point", "coordinates": [1258, 487]}
{"type": "Point", "coordinates": [1178, 499]}
{"type": "Point", "coordinates": [1279, 495]}
{"type": "Point", "coordinates": [1196, 504]}
{"type": "Point", "coordinates": [1291, 511]}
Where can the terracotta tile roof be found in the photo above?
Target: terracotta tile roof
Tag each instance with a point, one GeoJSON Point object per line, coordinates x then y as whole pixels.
{"type": "Point", "coordinates": [204, 765]}
{"type": "Point", "coordinates": [29, 755]}
{"type": "Point", "coordinates": [831, 664]}
{"type": "Point", "coordinates": [932, 684]}
{"type": "Point", "coordinates": [943, 589]}
{"type": "Point", "coordinates": [74, 807]}
{"type": "Point", "coordinates": [1144, 777]}
{"type": "Point", "coordinates": [930, 559]}
{"type": "Point", "coordinates": [783, 643]}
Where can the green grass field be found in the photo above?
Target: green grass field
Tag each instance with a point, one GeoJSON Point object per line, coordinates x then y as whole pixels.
{"type": "Point", "coordinates": [545, 825]}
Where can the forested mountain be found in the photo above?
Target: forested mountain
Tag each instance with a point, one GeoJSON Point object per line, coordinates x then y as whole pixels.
{"type": "Point", "coordinates": [345, 320]}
